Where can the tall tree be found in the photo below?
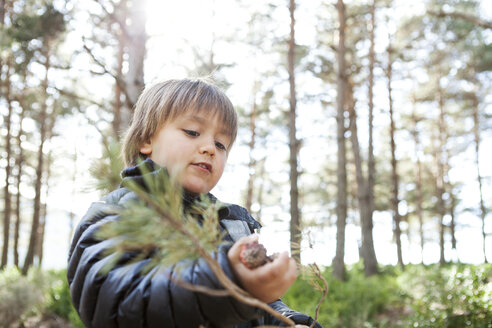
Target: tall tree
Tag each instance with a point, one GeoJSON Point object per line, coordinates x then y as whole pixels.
{"type": "Point", "coordinates": [295, 215]}
{"type": "Point", "coordinates": [371, 170]}
{"type": "Point", "coordinates": [476, 139]}
{"type": "Point", "coordinates": [136, 54]}
{"type": "Point", "coordinates": [338, 261]}
{"type": "Point", "coordinates": [53, 24]}
{"type": "Point", "coordinates": [8, 168]}
{"type": "Point", "coordinates": [43, 121]}
{"type": "Point", "coordinates": [418, 183]}
{"type": "Point", "coordinates": [252, 143]}
{"type": "Point", "coordinates": [394, 171]}
{"type": "Point", "coordinates": [440, 164]}
{"type": "Point", "coordinates": [19, 163]}
{"type": "Point", "coordinates": [121, 13]}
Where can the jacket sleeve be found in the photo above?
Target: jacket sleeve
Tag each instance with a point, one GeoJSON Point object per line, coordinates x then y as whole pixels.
{"type": "Point", "coordinates": [241, 213]}
{"type": "Point", "coordinates": [298, 318]}
{"type": "Point", "coordinates": [129, 296]}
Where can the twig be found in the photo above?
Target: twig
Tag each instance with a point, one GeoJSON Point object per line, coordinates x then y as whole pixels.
{"type": "Point", "coordinates": [234, 290]}
{"type": "Point", "coordinates": [318, 274]}
{"type": "Point", "coordinates": [121, 83]}
{"type": "Point", "coordinates": [199, 288]}
{"type": "Point", "coordinates": [469, 18]}
{"type": "Point", "coordinates": [115, 19]}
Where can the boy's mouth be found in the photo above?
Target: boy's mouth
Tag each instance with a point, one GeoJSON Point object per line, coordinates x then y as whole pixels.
{"type": "Point", "coordinates": [204, 166]}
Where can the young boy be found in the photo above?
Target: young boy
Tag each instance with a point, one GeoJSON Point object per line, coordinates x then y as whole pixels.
{"type": "Point", "coordinates": [186, 127]}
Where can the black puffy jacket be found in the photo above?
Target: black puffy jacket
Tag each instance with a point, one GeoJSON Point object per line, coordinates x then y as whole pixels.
{"type": "Point", "coordinates": [126, 297]}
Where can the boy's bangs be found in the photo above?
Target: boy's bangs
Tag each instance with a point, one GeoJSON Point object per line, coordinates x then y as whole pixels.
{"type": "Point", "coordinates": [207, 98]}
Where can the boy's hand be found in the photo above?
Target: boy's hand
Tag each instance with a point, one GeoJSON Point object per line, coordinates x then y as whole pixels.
{"type": "Point", "coordinates": [267, 282]}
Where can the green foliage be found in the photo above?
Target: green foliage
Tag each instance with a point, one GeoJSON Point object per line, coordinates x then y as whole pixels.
{"type": "Point", "coordinates": [421, 296]}
{"type": "Point", "coordinates": [40, 293]}
{"type": "Point", "coordinates": [106, 170]}
{"type": "Point", "coordinates": [352, 303]}
{"type": "Point", "coordinates": [453, 296]}
{"type": "Point", "coordinates": [158, 226]}
{"type": "Point", "coordinates": [58, 300]}
{"type": "Point", "coordinates": [18, 295]}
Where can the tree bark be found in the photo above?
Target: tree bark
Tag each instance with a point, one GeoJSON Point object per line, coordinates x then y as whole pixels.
{"type": "Point", "coordinates": [371, 169]}
{"type": "Point", "coordinates": [40, 239]}
{"type": "Point", "coordinates": [440, 184]}
{"type": "Point", "coordinates": [367, 248]}
{"type": "Point", "coordinates": [252, 144]}
{"type": "Point", "coordinates": [19, 165]}
{"type": "Point", "coordinates": [8, 169]}
{"type": "Point", "coordinates": [136, 56]}
{"type": "Point", "coordinates": [339, 261]}
{"type": "Point", "coordinates": [295, 217]}
{"type": "Point", "coordinates": [44, 207]}
{"type": "Point", "coordinates": [118, 104]}
{"type": "Point", "coordinates": [43, 118]}
{"type": "Point", "coordinates": [453, 226]}
{"type": "Point", "coordinates": [418, 183]}
{"type": "Point", "coordinates": [476, 133]}
{"type": "Point", "coordinates": [394, 170]}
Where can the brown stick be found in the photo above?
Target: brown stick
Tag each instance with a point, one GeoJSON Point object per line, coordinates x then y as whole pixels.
{"type": "Point", "coordinates": [318, 274]}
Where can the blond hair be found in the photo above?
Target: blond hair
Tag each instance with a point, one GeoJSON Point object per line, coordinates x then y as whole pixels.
{"type": "Point", "coordinates": [165, 101]}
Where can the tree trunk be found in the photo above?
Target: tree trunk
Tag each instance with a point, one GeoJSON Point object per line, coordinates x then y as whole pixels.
{"type": "Point", "coordinates": [453, 227]}
{"type": "Point", "coordinates": [476, 132]}
{"type": "Point", "coordinates": [295, 217]}
{"type": "Point", "coordinates": [260, 189]}
{"type": "Point", "coordinates": [118, 104]}
{"type": "Point", "coordinates": [371, 170]}
{"type": "Point", "coordinates": [19, 165]}
{"type": "Point", "coordinates": [418, 183]}
{"type": "Point", "coordinates": [40, 167]}
{"type": "Point", "coordinates": [440, 184]}
{"type": "Point", "coordinates": [252, 161]}
{"type": "Point", "coordinates": [40, 239]}
{"type": "Point", "coordinates": [8, 169]}
{"type": "Point", "coordinates": [394, 170]}
{"type": "Point", "coordinates": [136, 56]}
{"type": "Point", "coordinates": [44, 208]}
{"type": "Point", "coordinates": [367, 248]}
{"type": "Point", "coordinates": [339, 261]}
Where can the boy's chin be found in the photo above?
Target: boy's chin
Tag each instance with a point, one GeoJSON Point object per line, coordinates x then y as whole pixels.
{"type": "Point", "coordinates": [195, 190]}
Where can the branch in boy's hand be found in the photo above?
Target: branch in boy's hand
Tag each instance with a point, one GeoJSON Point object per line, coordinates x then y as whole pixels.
{"type": "Point", "coordinates": [157, 227]}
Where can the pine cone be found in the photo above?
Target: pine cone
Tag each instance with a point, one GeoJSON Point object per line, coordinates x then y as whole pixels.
{"type": "Point", "coordinates": [254, 255]}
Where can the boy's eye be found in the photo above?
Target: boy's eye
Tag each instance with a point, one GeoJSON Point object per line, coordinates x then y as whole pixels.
{"type": "Point", "coordinates": [191, 133]}
{"type": "Point", "coordinates": [220, 146]}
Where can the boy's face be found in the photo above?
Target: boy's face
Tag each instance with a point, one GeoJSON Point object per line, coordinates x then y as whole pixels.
{"type": "Point", "coordinates": [193, 148]}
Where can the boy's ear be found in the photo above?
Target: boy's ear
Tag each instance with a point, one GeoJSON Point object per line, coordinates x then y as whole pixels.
{"type": "Point", "coordinates": [146, 148]}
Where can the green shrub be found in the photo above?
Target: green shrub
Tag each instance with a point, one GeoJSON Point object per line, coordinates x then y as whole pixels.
{"type": "Point", "coordinates": [450, 297]}
{"type": "Point", "coordinates": [357, 302]}
{"type": "Point", "coordinates": [58, 299]}
{"type": "Point", "coordinates": [18, 296]}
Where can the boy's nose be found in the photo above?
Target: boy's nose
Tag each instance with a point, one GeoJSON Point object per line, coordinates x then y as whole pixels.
{"type": "Point", "coordinates": [208, 148]}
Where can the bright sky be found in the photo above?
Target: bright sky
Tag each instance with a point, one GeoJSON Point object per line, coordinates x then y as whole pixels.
{"type": "Point", "coordinates": [179, 25]}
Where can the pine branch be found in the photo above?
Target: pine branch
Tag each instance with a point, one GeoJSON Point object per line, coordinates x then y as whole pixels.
{"type": "Point", "coordinates": [170, 235]}
{"type": "Point", "coordinates": [234, 290]}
